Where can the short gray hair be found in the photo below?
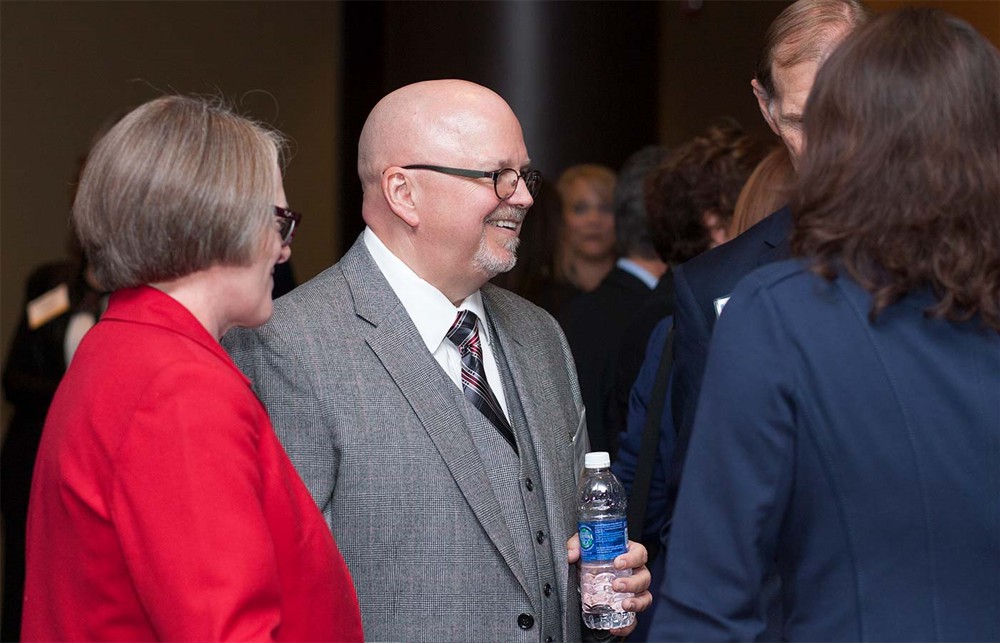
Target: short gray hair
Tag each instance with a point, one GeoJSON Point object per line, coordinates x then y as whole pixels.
{"type": "Point", "coordinates": [178, 185]}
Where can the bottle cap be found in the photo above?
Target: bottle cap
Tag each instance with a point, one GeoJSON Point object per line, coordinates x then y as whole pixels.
{"type": "Point", "coordinates": [597, 460]}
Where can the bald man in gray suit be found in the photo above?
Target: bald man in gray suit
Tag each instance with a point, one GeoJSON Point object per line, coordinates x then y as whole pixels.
{"type": "Point", "coordinates": [436, 419]}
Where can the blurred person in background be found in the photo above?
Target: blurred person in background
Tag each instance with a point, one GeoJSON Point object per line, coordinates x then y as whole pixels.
{"type": "Point", "coordinates": [797, 42]}
{"type": "Point", "coordinates": [162, 505]}
{"type": "Point", "coordinates": [697, 184]}
{"type": "Point", "coordinates": [534, 275]}
{"type": "Point", "coordinates": [690, 198]}
{"type": "Point", "coordinates": [62, 302]}
{"type": "Point", "coordinates": [849, 423]}
{"type": "Point", "coordinates": [586, 253]}
{"type": "Point", "coordinates": [594, 321]}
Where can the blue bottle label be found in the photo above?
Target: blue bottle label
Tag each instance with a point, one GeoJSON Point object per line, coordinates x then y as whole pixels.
{"type": "Point", "coordinates": [602, 541]}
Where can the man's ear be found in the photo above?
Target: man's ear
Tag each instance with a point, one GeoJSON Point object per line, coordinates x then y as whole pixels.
{"type": "Point", "coordinates": [399, 195]}
{"type": "Point", "coordinates": [764, 102]}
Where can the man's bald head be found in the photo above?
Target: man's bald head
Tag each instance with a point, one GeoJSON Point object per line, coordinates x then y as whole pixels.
{"type": "Point", "coordinates": [419, 123]}
{"type": "Point", "coordinates": [451, 228]}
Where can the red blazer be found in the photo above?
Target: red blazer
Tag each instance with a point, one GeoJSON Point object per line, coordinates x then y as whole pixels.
{"type": "Point", "coordinates": [162, 504]}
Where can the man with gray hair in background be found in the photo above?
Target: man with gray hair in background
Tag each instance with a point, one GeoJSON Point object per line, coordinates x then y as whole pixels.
{"type": "Point", "coordinates": [796, 44]}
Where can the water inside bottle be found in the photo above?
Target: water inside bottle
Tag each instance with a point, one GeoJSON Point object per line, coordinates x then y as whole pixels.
{"type": "Point", "coordinates": [602, 605]}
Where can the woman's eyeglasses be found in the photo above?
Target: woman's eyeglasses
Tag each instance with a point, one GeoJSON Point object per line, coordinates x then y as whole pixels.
{"type": "Point", "coordinates": [288, 221]}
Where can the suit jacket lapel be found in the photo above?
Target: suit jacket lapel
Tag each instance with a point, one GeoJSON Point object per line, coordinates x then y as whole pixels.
{"type": "Point", "coordinates": [396, 343]}
{"type": "Point", "coordinates": [557, 473]}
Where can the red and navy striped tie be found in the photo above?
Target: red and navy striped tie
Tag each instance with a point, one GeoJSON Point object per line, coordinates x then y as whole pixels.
{"type": "Point", "coordinates": [464, 335]}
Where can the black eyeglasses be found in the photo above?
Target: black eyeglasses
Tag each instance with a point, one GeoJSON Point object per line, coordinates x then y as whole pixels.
{"type": "Point", "coordinates": [288, 221]}
{"type": "Point", "coordinates": [504, 181]}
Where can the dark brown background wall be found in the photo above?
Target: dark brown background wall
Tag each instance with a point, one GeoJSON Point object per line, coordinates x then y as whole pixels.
{"type": "Point", "coordinates": [66, 66]}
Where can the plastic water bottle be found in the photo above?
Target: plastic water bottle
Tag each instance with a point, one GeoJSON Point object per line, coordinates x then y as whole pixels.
{"type": "Point", "coordinates": [603, 536]}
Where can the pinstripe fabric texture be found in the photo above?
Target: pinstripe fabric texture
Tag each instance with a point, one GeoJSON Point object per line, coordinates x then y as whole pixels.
{"type": "Point", "coordinates": [376, 430]}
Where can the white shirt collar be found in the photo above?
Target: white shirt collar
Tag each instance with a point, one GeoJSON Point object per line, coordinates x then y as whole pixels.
{"type": "Point", "coordinates": [431, 311]}
{"type": "Point", "coordinates": [637, 271]}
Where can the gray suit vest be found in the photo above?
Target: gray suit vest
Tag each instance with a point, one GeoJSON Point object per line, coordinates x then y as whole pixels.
{"type": "Point", "coordinates": [516, 481]}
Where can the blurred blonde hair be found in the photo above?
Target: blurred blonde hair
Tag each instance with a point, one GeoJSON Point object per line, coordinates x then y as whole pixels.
{"type": "Point", "coordinates": [603, 180]}
{"type": "Point", "coordinates": [600, 177]}
{"type": "Point", "coordinates": [768, 189]}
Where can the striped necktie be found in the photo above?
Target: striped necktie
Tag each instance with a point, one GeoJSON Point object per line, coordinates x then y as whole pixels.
{"type": "Point", "coordinates": [464, 335]}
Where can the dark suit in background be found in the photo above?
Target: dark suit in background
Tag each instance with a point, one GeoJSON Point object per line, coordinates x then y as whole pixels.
{"type": "Point", "coordinates": [701, 287]}
{"type": "Point", "coordinates": [632, 351]}
{"type": "Point", "coordinates": [34, 368]}
{"type": "Point", "coordinates": [595, 323]}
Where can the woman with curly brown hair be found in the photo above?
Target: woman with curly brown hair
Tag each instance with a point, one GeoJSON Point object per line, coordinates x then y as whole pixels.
{"type": "Point", "coordinates": [690, 198]}
{"type": "Point", "coordinates": [848, 428]}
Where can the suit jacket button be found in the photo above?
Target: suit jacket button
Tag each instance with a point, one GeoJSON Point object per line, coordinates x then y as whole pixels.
{"type": "Point", "coordinates": [547, 589]}
{"type": "Point", "coordinates": [525, 621]}
{"type": "Point", "coordinates": [540, 536]}
{"type": "Point", "coordinates": [528, 484]}
{"type": "Point", "coordinates": [549, 639]}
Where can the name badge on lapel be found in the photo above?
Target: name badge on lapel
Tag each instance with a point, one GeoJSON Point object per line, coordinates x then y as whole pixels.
{"type": "Point", "coordinates": [45, 308]}
{"type": "Point", "coordinates": [720, 303]}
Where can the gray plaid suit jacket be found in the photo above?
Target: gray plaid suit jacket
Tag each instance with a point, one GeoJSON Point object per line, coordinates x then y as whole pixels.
{"type": "Point", "coordinates": [372, 424]}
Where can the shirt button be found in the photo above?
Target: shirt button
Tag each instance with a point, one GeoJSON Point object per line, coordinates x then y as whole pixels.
{"type": "Point", "coordinates": [547, 589]}
{"type": "Point", "coordinates": [528, 484]}
{"type": "Point", "coordinates": [525, 621]}
{"type": "Point", "coordinates": [540, 536]}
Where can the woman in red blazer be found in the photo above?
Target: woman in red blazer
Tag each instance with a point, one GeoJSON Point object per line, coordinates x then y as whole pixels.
{"type": "Point", "coordinates": [162, 505]}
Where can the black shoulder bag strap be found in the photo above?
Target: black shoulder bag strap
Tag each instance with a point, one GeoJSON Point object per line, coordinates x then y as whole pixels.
{"type": "Point", "coordinates": [650, 447]}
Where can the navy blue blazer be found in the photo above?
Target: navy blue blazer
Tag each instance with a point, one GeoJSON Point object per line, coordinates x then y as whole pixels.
{"type": "Point", "coordinates": [624, 466]}
{"type": "Point", "coordinates": [701, 287]}
{"type": "Point", "coordinates": [863, 457]}
{"type": "Point", "coordinates": [630, 445]}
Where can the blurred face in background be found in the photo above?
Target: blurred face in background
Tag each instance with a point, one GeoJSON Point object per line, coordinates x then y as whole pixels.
{"type": "Point", "coordinates": [588, 222]}
{"type": "Point", "coordinates": [718, 228]}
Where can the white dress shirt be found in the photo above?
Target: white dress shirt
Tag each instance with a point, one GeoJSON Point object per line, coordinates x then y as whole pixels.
{"type": "Point", "coordinates": [433, 314]}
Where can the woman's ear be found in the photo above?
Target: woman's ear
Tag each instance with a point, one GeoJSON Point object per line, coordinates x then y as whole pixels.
{"type": "Point", "coordinates": [399, 193]}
